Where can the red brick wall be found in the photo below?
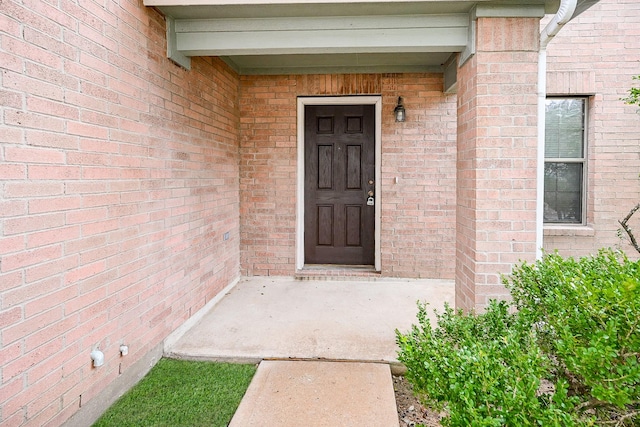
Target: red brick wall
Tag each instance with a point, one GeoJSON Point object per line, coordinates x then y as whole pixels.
{"type": "Point", "coordinates": [267, 175]}
{"type": "Point", "coordinates": [466, 255]}
{"type": "Point", "coordinates": [497, 140]}
{"type": "Point", "coordinates": [596, 55]}
{"type": "Point", "coordinates": [120, 173]}
{"type": "Point", "coordinates": [118, 179]}
{"type": "Point", "coordinates": [418, 213]}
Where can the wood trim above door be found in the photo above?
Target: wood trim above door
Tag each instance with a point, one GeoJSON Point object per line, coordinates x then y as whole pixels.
{"type": "Point", "coordinates": [331, 100]}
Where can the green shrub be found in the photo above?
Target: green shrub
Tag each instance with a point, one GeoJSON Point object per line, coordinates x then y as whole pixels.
{"type": "Point", "coordinates": [483, 370]}
{"type": "Point", "coordinates": [574, 325]}
{"type": "Point", "coordinates": [587, 313]}
{"type": "Point", "coordinates": [634, 94]}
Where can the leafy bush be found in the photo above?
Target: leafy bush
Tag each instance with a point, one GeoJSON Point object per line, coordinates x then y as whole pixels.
{"type": "Point", "coordinates": [483, 370]}
{"type": "Point", "coordinates": [588, 314]}
{"type": "Point", "coordinates": [576, 329]}
{"type": "Point", "coordinates": [634, 94]}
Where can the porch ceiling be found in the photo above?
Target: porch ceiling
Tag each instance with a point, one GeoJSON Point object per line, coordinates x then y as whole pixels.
{"type": "Point", "coordinates": [331, 36]}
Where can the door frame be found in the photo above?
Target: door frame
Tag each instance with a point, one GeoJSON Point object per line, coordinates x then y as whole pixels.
{"type": "Point", "coordinates": [336, 100]}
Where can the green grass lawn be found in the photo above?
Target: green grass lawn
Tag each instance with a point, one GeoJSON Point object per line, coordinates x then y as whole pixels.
{"type": "Point", "coordinates": [182, 393]}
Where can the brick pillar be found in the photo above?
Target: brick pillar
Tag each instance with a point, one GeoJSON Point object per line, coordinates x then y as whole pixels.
{"type": "Point", "coordinates": [496, 165]}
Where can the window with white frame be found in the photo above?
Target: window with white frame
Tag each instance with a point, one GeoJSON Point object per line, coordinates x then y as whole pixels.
{"type": "Point", "coordinates": [565, 166]}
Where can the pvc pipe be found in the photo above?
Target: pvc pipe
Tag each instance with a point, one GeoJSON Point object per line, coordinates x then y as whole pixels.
{"type": "Point", "coordinates": [98, 358]}
{"type": "Point", "coordinates": [562, 17]}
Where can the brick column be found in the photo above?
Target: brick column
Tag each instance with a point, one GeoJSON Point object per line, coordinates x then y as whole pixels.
{"type": "Point", "coordinates": [496, 165]}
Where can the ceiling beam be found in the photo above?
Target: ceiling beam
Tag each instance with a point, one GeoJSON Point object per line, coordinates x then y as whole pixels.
{"type": "Point", "coordinates": [172, 49]}
{"type": "Point", "coordinates": [321, 35]}
{"type": "Point", "coordinates": [322, 23]}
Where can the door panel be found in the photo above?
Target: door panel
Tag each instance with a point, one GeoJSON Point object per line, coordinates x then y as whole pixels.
{"type": "Point", "coordinates": [353, 221]}
{"type": "Point", "coordinates": [339, 173]}
{"type": "Point", "coordinates": [354, 167]}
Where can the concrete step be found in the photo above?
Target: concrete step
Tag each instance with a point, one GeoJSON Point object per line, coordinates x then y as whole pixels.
{"type": "Point", "coordinates": [318, 394]}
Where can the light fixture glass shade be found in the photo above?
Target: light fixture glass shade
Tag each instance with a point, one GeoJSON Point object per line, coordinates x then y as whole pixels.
{"type": "Point", "coordinates": [399, 111]}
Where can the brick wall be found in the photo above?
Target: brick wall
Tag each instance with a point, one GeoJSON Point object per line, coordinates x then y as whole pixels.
{"type": "Point", "coordinates": [497, 140]}
{"type": "Point", "coordinates": [596, 55]}
{"type": "Point", "coordinates": [418, 213]}
{"type": "Point", "coordinates": [118, 179]}
{"type": "Point", "coordinates": [466, 256]}
{"type": "Point", "coordinates": [120, 174]}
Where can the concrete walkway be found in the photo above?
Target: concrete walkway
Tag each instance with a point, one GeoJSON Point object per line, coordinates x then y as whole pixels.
{"type": "Point", "coordinates": [318, 394]}
{"type": "Point", "coordinates": [297, 330]}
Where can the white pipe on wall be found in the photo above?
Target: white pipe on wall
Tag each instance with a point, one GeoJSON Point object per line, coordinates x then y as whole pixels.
{"type": "Point", "coordinates": [98, 358]}
{"type": "Point", "coordinates": [564, 15]}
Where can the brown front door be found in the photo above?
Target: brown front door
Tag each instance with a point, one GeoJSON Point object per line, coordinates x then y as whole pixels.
{"type": "Point", "coordinates": [339, 174]}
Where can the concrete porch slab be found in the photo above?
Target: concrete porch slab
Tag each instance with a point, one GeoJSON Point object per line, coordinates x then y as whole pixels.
{"type": "Point", "coordinates": [318, 394]}
{"type": "Point", "coordinates": [284, 318]}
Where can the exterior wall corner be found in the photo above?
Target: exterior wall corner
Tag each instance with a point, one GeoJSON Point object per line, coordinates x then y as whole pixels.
{"type": "Point", "coordinates": [496, 163]}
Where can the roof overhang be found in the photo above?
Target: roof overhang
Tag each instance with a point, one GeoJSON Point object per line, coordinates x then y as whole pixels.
{"type": "Point", "coordinates": [330, 36]}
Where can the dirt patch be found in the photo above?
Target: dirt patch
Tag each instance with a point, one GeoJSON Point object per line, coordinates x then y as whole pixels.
{"type": "Point", "coordinates": [410, 411]}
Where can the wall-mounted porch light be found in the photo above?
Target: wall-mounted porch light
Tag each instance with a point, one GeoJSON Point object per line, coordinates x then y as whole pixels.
{"type": "Point", "coordinates": [399, 111]}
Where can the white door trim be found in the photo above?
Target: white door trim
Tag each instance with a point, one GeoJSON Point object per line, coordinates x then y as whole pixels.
{"type": "Point", "coordinates": [336, 100]}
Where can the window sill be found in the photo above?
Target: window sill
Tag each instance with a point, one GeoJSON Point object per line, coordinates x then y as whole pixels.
{"type": "Point", "coordinates": [569, 230]}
